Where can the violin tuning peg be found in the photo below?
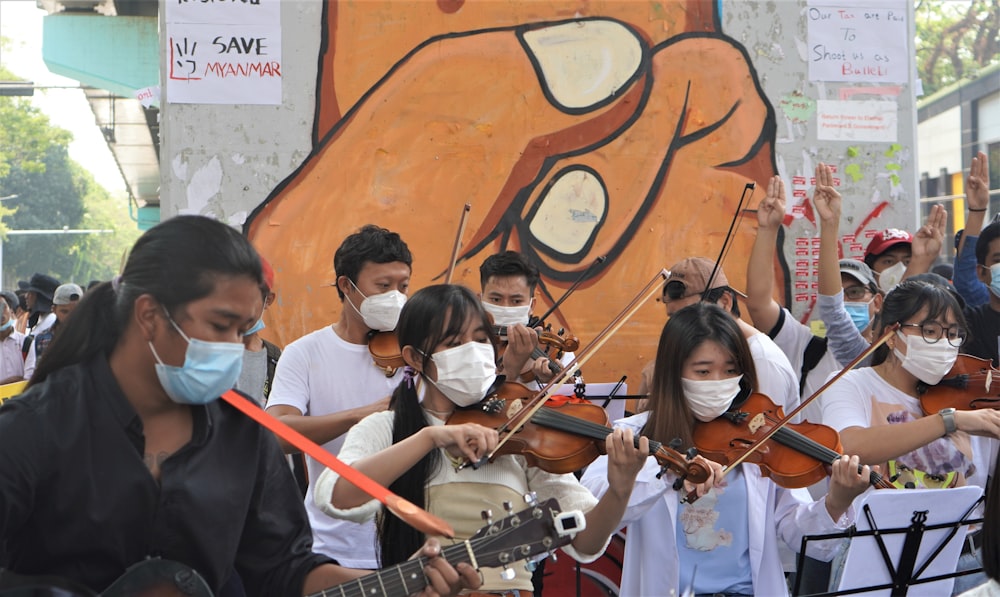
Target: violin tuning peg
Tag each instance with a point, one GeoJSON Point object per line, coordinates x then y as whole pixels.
{"type": "Point", "coordinates": [507, 573]}
{"type": "Point", "coordinates": [531, 498]}
{"type": "Point", "coordinates": [691, 453]}
{"type": "Point", "coordinates": [487, 516]}
{"type": "Point", "coordinates": [675, 443]}
{"type": "Point", "coordinates": [678, 484]}
{"type": "Point", "coordinates": [508, 507]}
{"type": "Point", "coordinates": [561, 331]}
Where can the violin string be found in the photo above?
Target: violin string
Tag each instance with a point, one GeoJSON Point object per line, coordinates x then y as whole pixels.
{"type": "Point", "coordinates": [810, 447]}
{"type": "Point", "coordinates": [548, 417]}
{"type": "Point", "coordinates": [890, 330]}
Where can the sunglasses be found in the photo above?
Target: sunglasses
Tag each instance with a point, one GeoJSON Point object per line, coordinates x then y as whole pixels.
{"type": "Point", "coordinates": [674, 290]}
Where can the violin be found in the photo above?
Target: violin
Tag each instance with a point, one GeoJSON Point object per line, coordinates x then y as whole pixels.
{"type": "Point", "coordinates": [797, 456]}
{"type": "Point", "coordinates": [548, 338]}
{"type": "Point", "coordinates": [561, 438]}
{"type": "Point", "coordinates": [386, 352]}
{"type": "Point", "coordinates": [968, 386]}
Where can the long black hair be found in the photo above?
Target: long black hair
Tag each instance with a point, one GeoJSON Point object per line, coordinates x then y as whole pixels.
{"type": "Point", "coordinates": [905, 301]}
{"type": "Point", "coordinates": [431, 316]}
{"type": "Point", "coordinates": [176, 261]}
{"type": "Point", "coordinates": [669, 416]}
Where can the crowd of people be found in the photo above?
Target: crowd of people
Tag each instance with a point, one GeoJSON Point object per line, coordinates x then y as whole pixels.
{"type": "Point", "coordinates": [119, 451]}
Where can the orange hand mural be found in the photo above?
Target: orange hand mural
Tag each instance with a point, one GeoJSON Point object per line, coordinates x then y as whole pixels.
{"type": "Point", "coordinates": [619, 131]}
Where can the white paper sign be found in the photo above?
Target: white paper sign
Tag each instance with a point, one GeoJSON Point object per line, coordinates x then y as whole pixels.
{"type": "Point", "coordinates": [855, 43]}
{"type": "Point", "coordinates": [223, 12]}
{"type": "Point", "coordinates": [224, 64]}
{"type": "Point", "coordinates": [856, 121]}
{"type": "Point", "coordinates": [865, 567]}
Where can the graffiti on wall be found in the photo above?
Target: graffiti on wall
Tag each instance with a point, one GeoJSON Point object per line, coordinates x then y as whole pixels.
{"type": "Point", "coordinates": [575, 129]}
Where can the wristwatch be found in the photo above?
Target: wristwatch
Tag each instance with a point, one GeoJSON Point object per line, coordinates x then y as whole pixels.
{"type": "Point", "coordinates": [948, 416]}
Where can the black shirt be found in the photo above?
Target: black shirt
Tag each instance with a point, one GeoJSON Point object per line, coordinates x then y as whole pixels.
{"type": "Point", "coordinates": [984, 327]}
{"type": "Point", "coordinates": [77, 501]}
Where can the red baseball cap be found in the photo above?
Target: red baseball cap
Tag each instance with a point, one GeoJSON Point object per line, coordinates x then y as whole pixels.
{"type": "Point", "coordinates": [887, 239]}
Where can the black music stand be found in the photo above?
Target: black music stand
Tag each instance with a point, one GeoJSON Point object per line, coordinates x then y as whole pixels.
{"type": "Point", "coordinates": [905, 543]}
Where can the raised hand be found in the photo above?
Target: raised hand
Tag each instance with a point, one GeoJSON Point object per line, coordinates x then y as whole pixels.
{"type": "Point", "coordinates": [826, 199]}
{"type": "Point", "coordinates": [771, 211]}
{"type": "Point", "coordinates": [928, 240]}
{"type": "Point", "coordinates": [977, 185]}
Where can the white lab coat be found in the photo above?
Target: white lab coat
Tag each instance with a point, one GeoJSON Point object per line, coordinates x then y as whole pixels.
{"type": "Point", "coordinates": [651, 565]}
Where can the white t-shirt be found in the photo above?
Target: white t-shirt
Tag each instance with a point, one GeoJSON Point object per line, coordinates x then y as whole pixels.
{"type": "Point", "coordinates": [792, 338]}
{"type": "Point", "coordinates": [322, 374]}
{"type": "Point", "coordinates": [861, 398]}
{"type": "Point", "coordinates": [775, 377]}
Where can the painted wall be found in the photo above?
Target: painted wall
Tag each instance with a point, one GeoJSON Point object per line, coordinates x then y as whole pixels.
{"type": "Point", "coordinates": [576, 129]}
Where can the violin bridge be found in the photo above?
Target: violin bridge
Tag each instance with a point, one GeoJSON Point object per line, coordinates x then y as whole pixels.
{"type": "Point", "coordinates": [758, 421]}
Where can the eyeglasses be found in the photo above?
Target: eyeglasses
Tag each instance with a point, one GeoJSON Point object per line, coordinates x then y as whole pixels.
{"type": "Point", "coordinates": [856, 293]}
{"type": "Point", "coordinates": [932, 331]}
{"type": "Point", "coordinates": [673, 290]}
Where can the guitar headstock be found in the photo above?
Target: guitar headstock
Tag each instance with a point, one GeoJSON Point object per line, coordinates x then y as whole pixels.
{"type": "Point", "coordinates": [538, 529]}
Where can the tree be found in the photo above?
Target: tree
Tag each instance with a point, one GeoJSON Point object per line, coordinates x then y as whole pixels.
{"type": "Point", "coordinates": [53, 192]}
{"type": "Point", "coordinates": [955, 40]}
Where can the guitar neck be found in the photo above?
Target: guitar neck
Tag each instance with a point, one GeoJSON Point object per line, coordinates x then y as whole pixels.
{"type": "Point", "coordinates": [399, 580]}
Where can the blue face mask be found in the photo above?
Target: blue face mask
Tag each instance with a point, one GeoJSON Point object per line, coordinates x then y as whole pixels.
{"type": "Point", "coordinates": [995, 279]}
{"type": "Point", "coordinates": [8, 325]}
{"type": "Point", "coordinates": [859, 314]}
{"type": "Point", "coordinates": [256, 328]}
{"type": "Point", "coordinates": [210, 368]}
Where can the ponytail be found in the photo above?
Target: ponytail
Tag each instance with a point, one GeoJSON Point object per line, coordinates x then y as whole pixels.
{"type": "Point", "coordinates": [397, 541]}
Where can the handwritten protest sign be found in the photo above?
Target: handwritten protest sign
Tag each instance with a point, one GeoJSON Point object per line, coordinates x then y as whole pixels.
{"type": "Point", "coordinates": [223, 51]}
{"type": "Point", "coordinates": [857, 43]}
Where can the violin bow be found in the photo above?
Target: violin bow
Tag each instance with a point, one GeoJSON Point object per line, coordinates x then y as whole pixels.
{"type": "Point", "coordinates": [409, 513]}
{"type": "Point", "coordinates": [458, 242]}
{"type": "Point", "coordinates": [726, 242]}
{"type": "Point", "coordinates": [532, 406]}
{"type": "Point", "coordinates": [579, 280]}
{"type": "Point", "coordinates": [788, 417]}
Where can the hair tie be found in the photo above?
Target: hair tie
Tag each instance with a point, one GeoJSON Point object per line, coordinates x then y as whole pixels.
{"type": "Point", "coordinates": [409, 376]}
{"type": "Point", "coordinates": [116, 283]}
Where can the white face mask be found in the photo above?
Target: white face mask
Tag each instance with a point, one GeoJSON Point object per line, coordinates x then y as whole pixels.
{"type": "Point", "coordinates": [380, 312]}
{"type": "Point", "coordinates": [508, 315]}
{"type": "Point", "coordinates": [709, 398]}
{"type": "Point", "coordinates": [891, 276]}
{"type": "Point", "coordinates": [927, 362]}
{"type": "Point", "coordinates": [465, 373]}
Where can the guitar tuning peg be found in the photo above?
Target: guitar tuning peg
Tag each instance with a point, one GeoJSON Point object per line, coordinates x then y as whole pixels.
{"type": "Point", "coordinates": [507, 573]}
{"type": "Point", "coordinates": [531, 498]}
{"type": "Point", "coordinates": [487, 515]}
{"type": "Point", "coordinates": [531, 566]}
{"type": "Point", "coordinates": [508, 507]}
{"type": "Point", "coordinates": [553, 556]}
